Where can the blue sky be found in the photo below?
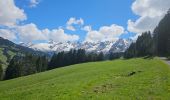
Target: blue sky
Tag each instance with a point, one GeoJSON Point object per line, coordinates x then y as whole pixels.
{"type": "Point", "coordinates": [54, 13]}
{"type": "Point", "coordinates": [39, 21]}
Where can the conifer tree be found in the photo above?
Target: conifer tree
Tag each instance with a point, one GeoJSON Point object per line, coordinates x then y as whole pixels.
{"type": "Point", "coordinates": [1, 71]}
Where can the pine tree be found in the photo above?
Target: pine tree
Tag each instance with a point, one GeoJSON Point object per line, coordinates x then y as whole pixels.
{"type": "Point", "coordinates": [162, 36]}
{"type": "Point", "coordinates": [113, 56]}
{"type": "Point", "coordinates": [1, 71]}
{"type": "Point", "coordinates": [39, 64]}
{"type": "Point", "coordinates": [81, 56]}
{"type": "Point", "coordinates": [144, 45]}
{"type": "Point", "coordinates": [44, 63]}
{"type": "Point", "coordinates": [13, 70]}
{"type": "Point", "coordinates": [131, 51]}
{"type": "Point", "coordinates": [52, 62]}
{"type": "Point", "coordinates": [100, 57]}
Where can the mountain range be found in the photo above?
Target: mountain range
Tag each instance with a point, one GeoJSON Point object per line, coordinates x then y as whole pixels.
{"type": "Point", "coordinates": [8, 49]}
{"type": "Point", "coordinates": [107, 46]}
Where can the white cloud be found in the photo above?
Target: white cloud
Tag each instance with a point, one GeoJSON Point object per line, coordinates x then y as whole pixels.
{"type": "Point", "coordinates": [7, 34]}
{"type": "Point", "coordinates": [71, 28]}
{"type": "Point", "coordinates": [87, 28]}
{"type": "Point", "coordinates": [150, 12]}
{"type": "Point", "coordinates": [59, 35]}
{"type": "Point", "coordinates": [105, 33]}
{"type": "Point", "coordinates": [72, 22]}
{"type": "Point", "coordinates": [30, 33]}
{"type": "Point", "coordinates": [34, 3]}
{"type": "Point", "coordinates": [10, 14]}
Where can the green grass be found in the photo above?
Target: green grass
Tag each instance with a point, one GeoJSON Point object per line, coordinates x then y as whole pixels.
{"type": "Point", "coordinates": [107, 80]}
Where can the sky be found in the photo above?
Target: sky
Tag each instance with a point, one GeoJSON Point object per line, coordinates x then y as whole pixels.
{"type": "Point", "coordinates": [38, 21]}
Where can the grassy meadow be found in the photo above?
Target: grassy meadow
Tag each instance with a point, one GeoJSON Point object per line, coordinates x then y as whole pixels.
{"type": "Point", "coordinates": [133, 79]}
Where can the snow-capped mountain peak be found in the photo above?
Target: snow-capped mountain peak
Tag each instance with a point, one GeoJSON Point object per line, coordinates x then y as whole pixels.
{"type": "Point", "coordinates": [106, 46]}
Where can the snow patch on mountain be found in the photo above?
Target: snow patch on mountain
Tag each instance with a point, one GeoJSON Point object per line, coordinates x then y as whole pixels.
{"type": "Point", "coordinates": [107, 46]}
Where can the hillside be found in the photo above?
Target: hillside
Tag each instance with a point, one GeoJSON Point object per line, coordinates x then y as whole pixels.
{"type": "Point", "coordinates": [8, 49]}
{"type": "Point", "coordinates": [120, 79]}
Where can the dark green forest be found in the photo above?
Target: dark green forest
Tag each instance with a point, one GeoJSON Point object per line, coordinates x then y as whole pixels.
{"type": "Point", "coordinates": [152, 44]}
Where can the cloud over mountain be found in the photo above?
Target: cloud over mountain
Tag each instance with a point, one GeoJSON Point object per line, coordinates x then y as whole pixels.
{"type": "Point", "coordinates": [8, 34]}
{"type": "Point", "coordinates": [150, 12]}
{"type": "Point", "coordinates": [105, 33]}
{"type": "Point", "coordinates": [11, 28]}
{"type": "Point", "coordinates": [30, 32]}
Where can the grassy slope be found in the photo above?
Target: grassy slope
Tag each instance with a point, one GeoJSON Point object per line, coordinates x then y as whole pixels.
{"type": "Point", "coordinates": [3, 57]}
{"type": "Point", "coordinates": [100, 80]}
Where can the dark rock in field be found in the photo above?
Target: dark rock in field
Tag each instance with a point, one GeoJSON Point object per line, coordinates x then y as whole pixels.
{"type": "Point", "coordinates": [132, 73]}
{"type": "Point", "coordinates": [139, 71]}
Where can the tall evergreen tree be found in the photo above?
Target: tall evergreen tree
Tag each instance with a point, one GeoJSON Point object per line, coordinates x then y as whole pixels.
{"type": "Point", "coordinates": [13, 70]}
{"type": "Point", "coordinates": [144, 45]}
{"type": "Point", "coordinates": [100, 56]}
{"type": "Point", "coordinates": [1, 71]}
{"type": "Point", "coordinates": [44, 63]}
{"type": "Point", "coordinates": [113, 56]}
{"type": "Point", "coordinates": [131, 51]}
{"type": "Point", "coordinates": [41, 63]}
{"type": "Point", "coordinates": [162, 36]}
{"type": "Point", "coordinates": [52, 62]}
{"type": "Point", "coordinates": [81, 55]}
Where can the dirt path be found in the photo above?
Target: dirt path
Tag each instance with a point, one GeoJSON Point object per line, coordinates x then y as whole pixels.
{"type": "Point", "coordinates": [165, 59]}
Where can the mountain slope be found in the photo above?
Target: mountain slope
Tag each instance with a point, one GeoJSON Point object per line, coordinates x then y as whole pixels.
{"type": "Point", "coordinates": [120, 79]}
{"type": "Point", "coordinates": [8, 49]}
{"type": "Point", "coordinates": [121, 45]}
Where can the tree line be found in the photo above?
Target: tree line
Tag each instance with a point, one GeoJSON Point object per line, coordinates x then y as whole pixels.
{"type": "Point", "coordinates": [26, 64]}
{"type": "Point", "coordinates": [155, 44]}
{"type": "Point", "coordinates": [142, 47]}
{"type": "Point", "coordinates": [73, 57]}
{"type": "Point", "coordinates": [22, 65]}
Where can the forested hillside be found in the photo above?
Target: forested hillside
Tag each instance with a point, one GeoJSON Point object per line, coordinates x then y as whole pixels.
{"type": "Point", "coordinates": [152, 44]}
{"type": "Point", "coordinates": [9, 49]}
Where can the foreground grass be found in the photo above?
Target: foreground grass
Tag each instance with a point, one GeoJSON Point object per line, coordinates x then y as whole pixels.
{"type": "Point", "coordinates": [120, 79]}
